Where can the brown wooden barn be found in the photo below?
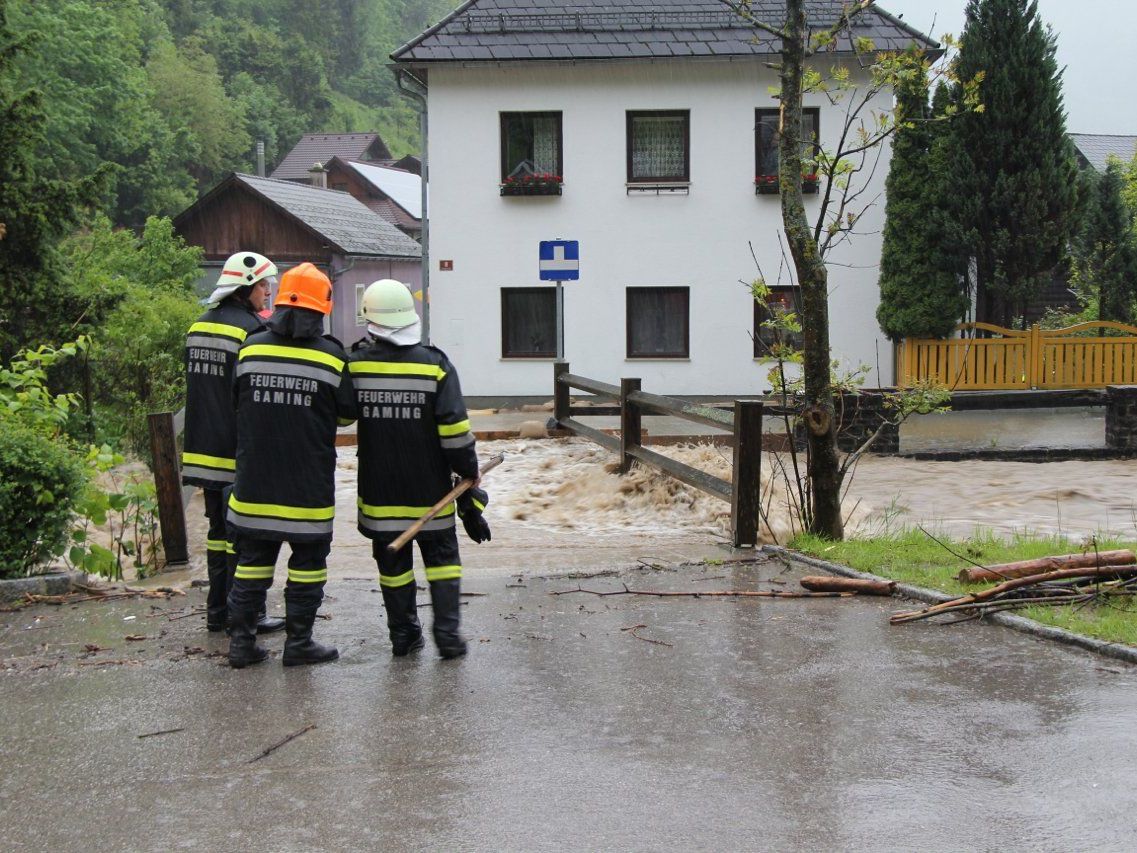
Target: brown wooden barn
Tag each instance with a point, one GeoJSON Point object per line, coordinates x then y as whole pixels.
{"type": "Point", "coordinates": [291, 223]}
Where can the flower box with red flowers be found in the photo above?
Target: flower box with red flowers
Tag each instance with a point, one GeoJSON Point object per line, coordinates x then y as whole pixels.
{"type": "Point", "coordinates": [766, 184]}
{"type": "Point", "coordinates": [535, 184]}
{"type": "Point", "coordinates": [810, 182]}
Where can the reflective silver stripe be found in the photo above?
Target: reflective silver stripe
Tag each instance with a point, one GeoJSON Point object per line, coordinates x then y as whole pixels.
{"type": "Point", "coordinates": [213, 474]}
{"type": "Point", "coordinates": [458, 441]}
{"type": "Point", "coordinates": [279, 525]}
{"type": "Point", "coordinates": [372, 383]}
{"type": "Point", "coordinates": [281, 368]}
{"type": "Point", "coordinates": [226, 344]}
{"type": "Point", "coordinates": [398, 525]}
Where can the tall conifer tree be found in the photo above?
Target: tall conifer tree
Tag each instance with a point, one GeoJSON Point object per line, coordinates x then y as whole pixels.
{"type": "Point", "coordinates": [1013, 160]}
{"type": "Point", "coordinates": [1105, 255]}
{"type": "Point", "coordinates": [920, 293]}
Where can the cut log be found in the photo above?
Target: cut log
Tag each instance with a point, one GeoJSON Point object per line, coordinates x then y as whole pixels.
{"type": "Point", "coordinates": [861, 586]}
{"type": "Point", "coordinates": [1022, 568]}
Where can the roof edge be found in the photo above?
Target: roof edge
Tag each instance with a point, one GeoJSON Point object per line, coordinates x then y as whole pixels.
{"type": "Point", "coordinates": [930, 41]}
{"type": "Point", "coordinates": [279, 207]}
{"type": "Point", "coordinates": [393, 56]}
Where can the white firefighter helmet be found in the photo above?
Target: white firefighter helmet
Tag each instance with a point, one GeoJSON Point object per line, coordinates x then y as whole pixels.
{"type": "Point", "coordinates": [241, 270]}
{"type": "Point", "coordinates": [389, 304]}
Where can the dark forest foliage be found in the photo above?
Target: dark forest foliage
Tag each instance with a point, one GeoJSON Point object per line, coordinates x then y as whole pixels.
{"type": "Point", "coordinates": [174, 93]}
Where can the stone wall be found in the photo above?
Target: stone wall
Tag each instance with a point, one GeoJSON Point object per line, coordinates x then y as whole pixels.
{"type": "Point", "coordinates": [1121, 417]}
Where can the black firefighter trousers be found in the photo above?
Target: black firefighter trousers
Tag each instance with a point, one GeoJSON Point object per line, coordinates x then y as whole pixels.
{"type": "Point", "coordinates": [256, 565]}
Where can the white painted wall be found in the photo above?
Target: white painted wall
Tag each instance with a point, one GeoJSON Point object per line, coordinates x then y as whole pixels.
{"type": "Point", "coordinates": [699, 240]}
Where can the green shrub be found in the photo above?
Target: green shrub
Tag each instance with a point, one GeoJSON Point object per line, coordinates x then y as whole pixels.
{"type": "Point", "coordinates": [40, 481]}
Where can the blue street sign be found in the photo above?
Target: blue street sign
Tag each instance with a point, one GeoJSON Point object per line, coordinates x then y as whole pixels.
{"type": "Point", "coordinates": [560, 260]}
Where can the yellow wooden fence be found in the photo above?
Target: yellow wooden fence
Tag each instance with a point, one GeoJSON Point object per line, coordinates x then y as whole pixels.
{"type": "Point", "coordinates": [1022, 359]}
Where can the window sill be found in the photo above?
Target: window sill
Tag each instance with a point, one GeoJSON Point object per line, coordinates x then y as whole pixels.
{"type": "Point", "coordinates": [657, 358]}
{"type": "Point", "coordinates": [771, 187]}
{"type": "Point", "coordinates": [528, 358]}
{"type": "Point", "coordinates": [659, 188]}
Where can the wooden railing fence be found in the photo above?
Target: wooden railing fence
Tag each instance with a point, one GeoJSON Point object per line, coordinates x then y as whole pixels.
{"type": "Point", "coordinates": [1018, 359]}
{"type": "Point", "coordinates": [745, 423]}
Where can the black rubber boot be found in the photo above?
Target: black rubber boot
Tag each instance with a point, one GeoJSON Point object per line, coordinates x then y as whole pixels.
{"type": "Point", "coordinates": [401, 604]}
{"type": "Point", "coordinates": [300, 649]}
{"type": "Point", "coordinates": [268, 624]}
{"type": "Point", "coordinates": [216, 608]}
{"type": "Point", "coordinates": [444, 598]}
{"type": "Point", "coordinates": [243, 648]}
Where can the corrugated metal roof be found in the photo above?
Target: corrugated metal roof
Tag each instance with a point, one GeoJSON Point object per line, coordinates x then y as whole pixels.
{"type": "Point", "coordinates": [1097, 148]}
{"type": "Point", "coordinates": [404, 188]}
{"type": "Point", "coordinates": [337, 217]}
{"type": "Point", "coordinates": [322, 147]}
{"type": "Point", "coordinates": [527, 30]}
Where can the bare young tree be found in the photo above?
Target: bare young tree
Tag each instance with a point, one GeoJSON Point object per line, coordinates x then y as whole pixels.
{"type": "Point", "coordinates": [855, 84]}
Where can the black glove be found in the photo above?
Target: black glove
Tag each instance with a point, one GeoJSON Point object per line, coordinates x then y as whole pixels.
{"type": "Point", "coordinates": [470, 506]}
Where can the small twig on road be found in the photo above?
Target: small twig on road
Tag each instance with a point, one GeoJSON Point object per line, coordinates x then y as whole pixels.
{"type": "Point", "coordinates": [163, 732]}
{"type": "Point", "coordinates": [279, 744]}
{"type": "Point", "coordinates": [196, 612]}
{"type": "Point", "coordinates": [631, 629]}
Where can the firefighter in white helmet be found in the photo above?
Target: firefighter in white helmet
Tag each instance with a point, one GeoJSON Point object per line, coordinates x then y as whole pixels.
{"type": "Point", "coordinates": [414, 437]}
{"type": "Point", "coordinates": [209, 457]}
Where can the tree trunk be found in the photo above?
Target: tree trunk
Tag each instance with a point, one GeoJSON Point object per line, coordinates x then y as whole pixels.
{"type": "Point", "coordinates": [821, 431]}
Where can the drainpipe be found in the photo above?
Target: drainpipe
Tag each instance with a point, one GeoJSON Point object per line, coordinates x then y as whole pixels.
{"type": "Point", "coordinates": [415, 89]}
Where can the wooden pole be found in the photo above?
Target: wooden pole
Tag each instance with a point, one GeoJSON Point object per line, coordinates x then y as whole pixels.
{"type": "Point", "coordinates": [861, 586]}
{"type": "Point", "coordinates": [630, 432]}
{"type": "Point", "coordinates": [560, 393]}
{"type": "Point", "coordinates": [167, 484]}
{"type": "Point", "coordinates": [745, 493]}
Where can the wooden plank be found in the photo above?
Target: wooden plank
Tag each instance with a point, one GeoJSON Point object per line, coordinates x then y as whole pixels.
{"type": "Point", "coordinates": [609, 442]}
{"type": "Point", "coordinates": [684, 473]}
{"type": "Point", "coordinates": [560, 391]}
{"type": "Point", "coordinates": [167, 484]}
{"type": "Point", "coordinates": [706, 415]}
{"type": "Point", "coordinates": [602, 389]}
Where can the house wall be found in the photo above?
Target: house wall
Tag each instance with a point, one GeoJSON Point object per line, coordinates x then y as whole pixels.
{"type": "Point", "coordinates": [356, 274]}
{"type": "Point", "coordinates": [239, 221]}
{"type": "Point", "coordinates": [701, 240]}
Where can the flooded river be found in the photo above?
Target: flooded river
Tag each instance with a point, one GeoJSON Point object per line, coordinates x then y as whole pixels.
{"type": "Point", "coordinates": [552, 487]}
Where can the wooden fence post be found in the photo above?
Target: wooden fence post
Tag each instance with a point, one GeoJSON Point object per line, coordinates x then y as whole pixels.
{"type": "Point", "coordinates": [746, 490]}
{"type": "Point", "coordinates": [167, 483]}
{"type": "Point", "coordinates": [630, 432]}
{"type": "Point", "coordinates": [560, 393]}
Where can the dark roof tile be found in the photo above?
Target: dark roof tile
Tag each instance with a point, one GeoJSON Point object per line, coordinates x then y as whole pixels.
{"type": "Point", "coordinates": [569, 29]}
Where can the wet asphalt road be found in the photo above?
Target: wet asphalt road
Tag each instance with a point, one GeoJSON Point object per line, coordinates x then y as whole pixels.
{"type": "Point", "coordinates": [718, 725]}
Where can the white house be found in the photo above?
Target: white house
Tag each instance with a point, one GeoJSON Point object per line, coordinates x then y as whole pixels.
{"type": "Point", "coordinates": [654, 123]}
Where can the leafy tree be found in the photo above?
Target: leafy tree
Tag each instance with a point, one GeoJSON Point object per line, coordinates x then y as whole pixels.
{"type": "Point", "coordinates": [139, 301]}
{"type": "Point", "coordinates": [35, 211]}
{"type": "Point", "coordinates": [920, 292]}
{"type": "Point", "coordinates": [1012, 160]}
{"type": "Point", "coordinates": [1105, 254]}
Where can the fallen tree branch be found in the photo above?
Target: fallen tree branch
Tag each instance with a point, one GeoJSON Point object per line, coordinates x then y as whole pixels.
{"type": "Point", "coordinates": [996, 591]}
{"type": "Point", "coordinates": [631, 629]}
{"type": "Point", "coordinates": [736, 593]}
{"type": "Point", "coordinates": [279, 744]}
{"type": "Point", "coordinates": [163, 732]}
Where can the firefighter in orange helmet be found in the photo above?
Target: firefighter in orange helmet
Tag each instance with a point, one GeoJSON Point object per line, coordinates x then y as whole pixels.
{"type": "Point", "coordinates": [292, 390]}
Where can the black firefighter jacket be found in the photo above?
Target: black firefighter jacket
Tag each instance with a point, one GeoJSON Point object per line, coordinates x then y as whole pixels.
{"type": "Point", "coordinates": [210, 442]}
{"type": "Point", "coordinates": [413, 434]}
{"type": "Point", "coordinates": [290, 393]}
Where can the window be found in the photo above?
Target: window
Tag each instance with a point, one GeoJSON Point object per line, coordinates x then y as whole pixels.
{"type": "Point", "coordinates": [782, 300]}
{"type": "Point", "coordinates": [659, 146]}
{"type": "Point", "coordinates": [766, 141]}
{"type": "Point", "coordinates": [528, 322]}
{"type": "Point", "coordinates": [531, 144]}
{"type": "Point", "coordinates": [360, 320]}
{"type": "Point", "coordinates": [339, 185]}
{"type": "Point", "coordinates": [658, 322]}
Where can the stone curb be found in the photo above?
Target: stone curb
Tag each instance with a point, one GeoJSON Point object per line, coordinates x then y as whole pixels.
{"type": "Point", "coordinates": [55, 583]}
{"type": "Point", "coordinates": [1116, 651]}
